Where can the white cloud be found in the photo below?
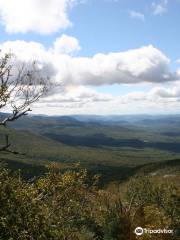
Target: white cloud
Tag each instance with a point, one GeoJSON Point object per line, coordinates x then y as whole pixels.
{"type": "Point", "coordinates": [74, 77]}
{"type": "Point", "coordinates": [146, 64]}
{"type": "Point", "coordinates": [136, 15]}
{"type": "Point", "coordinates": [75, 100]}
{"type": "Point", "coordinates": [167, 92]}
{"type": "Point", "coordinates": [41, 16]}
{"type": "Point", "coordinates": [160, 7]}
{"type": "Point", "coordinates": [158, 94]}
{"type": "Point", "coordinates": [133, 102]}
{"type": "Point", "coordinates": [77, 95]}
{"type": "Point", "coordinates": [65, 44]}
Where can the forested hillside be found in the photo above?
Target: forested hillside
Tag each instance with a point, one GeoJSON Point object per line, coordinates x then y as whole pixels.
{"type": "Point", "coordinates": [115, 151]}
{"type": "Point", "coordinates": [71, 206]}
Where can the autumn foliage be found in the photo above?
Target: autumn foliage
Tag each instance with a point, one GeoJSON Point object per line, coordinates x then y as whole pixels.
{"type": "Point", "coordinates": [70, 206]}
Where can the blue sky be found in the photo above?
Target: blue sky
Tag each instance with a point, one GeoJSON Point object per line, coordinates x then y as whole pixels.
{"type": "Point", "coordinates": [105, 26]}
{"type": "Point", "coordinates": [141, 77]}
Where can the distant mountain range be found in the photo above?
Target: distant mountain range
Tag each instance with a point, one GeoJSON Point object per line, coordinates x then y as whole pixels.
{"type": "Point", "coordinates": [153, 121]}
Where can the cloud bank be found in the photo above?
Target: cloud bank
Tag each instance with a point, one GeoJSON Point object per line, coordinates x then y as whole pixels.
{"type": "Point", "coordinates": [78, 80]}
{"type": "Point", "coordinates": [146, 64]}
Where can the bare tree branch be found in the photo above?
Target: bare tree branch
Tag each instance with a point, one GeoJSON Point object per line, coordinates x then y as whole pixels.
{"type": "Point", "coordinates": [20, 87]}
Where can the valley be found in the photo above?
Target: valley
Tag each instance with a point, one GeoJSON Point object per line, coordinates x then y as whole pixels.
{"type": "Point", "coordinates": [115, 147]}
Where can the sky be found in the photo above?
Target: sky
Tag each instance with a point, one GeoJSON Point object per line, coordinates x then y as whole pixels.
{"type": "Point", "coordinates": [102, 56]}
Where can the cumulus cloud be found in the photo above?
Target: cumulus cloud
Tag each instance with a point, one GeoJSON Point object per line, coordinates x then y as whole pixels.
{"type": "Point", "coordinates": [166, 92]}
{"type": "Point", "coordinates": [65, 45]}
{"type": "Point", "coordinates": [73, 100]}
{"type": "Point", "coordinates": [26, 53]}
{"type": "Point", "coordinates": [73, 77]}
{"type": "Point", "coordinates": [77, 95]}
{"type": "Point", "coordinates": [41, 16]}
{"type": "Point", "coordinates": [160, 94]}
{"type": "Point", "coordinates": [146, 64]}
{"type": "Point", "coordinates": [136, 15]}
{"type": "Point", "coordinates": [159, 8]}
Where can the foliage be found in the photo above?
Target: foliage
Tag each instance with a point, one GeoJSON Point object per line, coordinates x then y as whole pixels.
{"type": "Point", "coordinates": [70, 206]}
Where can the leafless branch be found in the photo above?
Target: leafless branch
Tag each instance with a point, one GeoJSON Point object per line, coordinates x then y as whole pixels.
{"type": "Point", "coordinates": [20, 87]}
